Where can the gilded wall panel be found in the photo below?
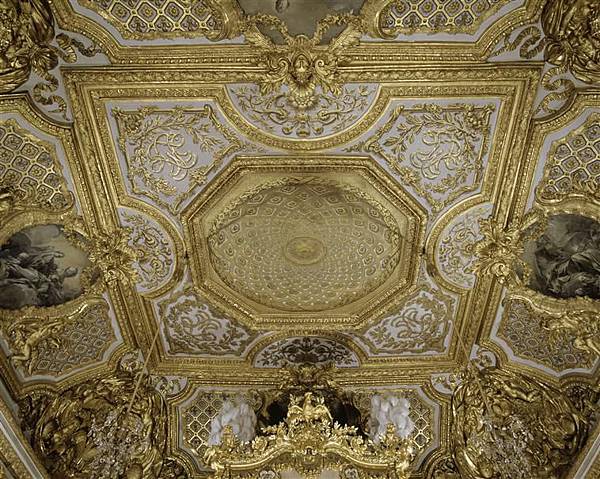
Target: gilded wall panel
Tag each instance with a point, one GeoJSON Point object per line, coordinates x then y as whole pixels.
{"type": "Point", "coordinates": [170, 153]}
{"type": "Point", "coordinates": [440, 149]}
{"type": "Point", "coordinates": [403, 17]}
{"type": "Point", "coordinates": [31, 170]}
{"type": "Point", "coordinates": [193, 327]}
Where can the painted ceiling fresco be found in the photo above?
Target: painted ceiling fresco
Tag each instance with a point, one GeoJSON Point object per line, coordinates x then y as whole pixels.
{"type": "Point", "coordinates": [230, 189]}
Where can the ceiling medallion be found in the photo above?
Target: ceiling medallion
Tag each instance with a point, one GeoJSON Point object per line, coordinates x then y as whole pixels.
{"type": "Point", "coordinates": [283, 240]}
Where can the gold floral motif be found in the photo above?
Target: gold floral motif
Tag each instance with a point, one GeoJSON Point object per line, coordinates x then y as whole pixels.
{"type": "Point", "coordinates": [572, 31]}
{"type": "Point", "coordinates": [27, 31]}
{"type": "Point", "coordinates": [455, 253]}
{"type": "Point", "coordinates": [308, 443]}
{"type": "Point", "coordinates": [419, 324]}
{"type": "Point", "coordinates": [313, 350]}
{"type": "Point", "coordinates": [437, 150]}
{"type": "Point", "coordinates": [140, 20]}
{"type": "Point", "coordinates": [299, 63]}
{"type": "Point", "coordinates": [154, 253]}
{"type": "Point", "coordinates": [111, 255]}
{"type": "Point", "coordinates": [67, 427]}
{"type": "Point", "coordinates": [492, 408]}
{"type": "Point", "coordinates": [500, 252]}
{"type": "Point", "coordinates": [573, 166]}
{"type": "Point", "coordinates": [171, 144]}
{"type": "Point", "coordinates": [194, 327]}
{"type": "Point", "coordinates": [328, 113]}
{"type": "Point", "coordinates": [30, 173]}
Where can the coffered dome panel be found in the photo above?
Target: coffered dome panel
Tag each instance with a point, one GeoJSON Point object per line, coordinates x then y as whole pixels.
{"type": "Point", "coordinates": [305, 244]}
{"type": "Point", "coordinates": [315, 240]}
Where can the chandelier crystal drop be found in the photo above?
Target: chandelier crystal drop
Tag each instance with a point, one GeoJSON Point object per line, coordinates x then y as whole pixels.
{"type": "Point", "coordinates": [116, 439]}
{"type": "Point", "coordinates": [504, 441]}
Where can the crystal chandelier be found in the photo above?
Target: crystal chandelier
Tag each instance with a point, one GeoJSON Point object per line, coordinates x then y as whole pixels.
{"type": "Point", "coordinates": [509, 426]}
{"type": "Point", "coordinates": [117, 435]}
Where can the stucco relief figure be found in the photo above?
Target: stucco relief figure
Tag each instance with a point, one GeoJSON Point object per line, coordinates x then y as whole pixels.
{"type": "Point", "coordinates": [565, 260]}
{"type": "Point", "coordinates": [39, 267]}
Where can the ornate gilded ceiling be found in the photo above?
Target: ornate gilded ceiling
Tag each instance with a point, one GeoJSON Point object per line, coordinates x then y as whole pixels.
{"type": "Point", "coordinates": [229, 188]}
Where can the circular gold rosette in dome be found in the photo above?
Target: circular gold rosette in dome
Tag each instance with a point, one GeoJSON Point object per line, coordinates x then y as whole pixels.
{"type": "Point", "coordinates": [507, 425]}
{"type": "Point", "coordinates": [313, 245]}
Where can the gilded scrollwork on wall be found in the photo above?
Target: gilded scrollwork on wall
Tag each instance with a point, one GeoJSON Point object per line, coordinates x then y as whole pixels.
{"type": "Point", "coordinates": [30, 172]}
{"type": "Point", "coordinates": [524, 329]}
{"type": "Point", "coordinates": [306, 349]}
{"type": "Point", "coordinates": [455, 254]}
{"type": "Point", "coordinates": [500, 251]}
{"type": "Point", "coordinates": [192, 326]}
{"type": "Point", "coordinates": [171, 152]}
{"type": "Point", "coordinates": [154, 250]}
{"type": "Point", "coordinates": [420, 324]}
{"type": "Point", "coordinates": [329, 113]}
{"type": "Point", "coordinates": [438, 150]}
{"type": "Point", "coordinates": [572, 169]}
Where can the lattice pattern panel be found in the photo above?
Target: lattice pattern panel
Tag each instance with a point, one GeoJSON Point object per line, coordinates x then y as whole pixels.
{"type": "Point", "coordinates": [30, 168]}
{"type": "Point", "coordinates": [197, 418]}
{"type": "Point", "coordinates": [522, 330]}
{"type": "Point", "coordinates": [453, 16]}
{"type": "Point", "coordinates": [420, 413]}
{"type": "Point", "coordinates": [150, 19]}
{"type": "Point", "coordinates": [82, 342]}
{"type": "Point", "coordinates": [574, 164]}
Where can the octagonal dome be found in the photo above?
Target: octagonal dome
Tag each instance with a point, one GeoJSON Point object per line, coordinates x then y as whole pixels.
{"type": "Point", "coordinates": [327, 241]}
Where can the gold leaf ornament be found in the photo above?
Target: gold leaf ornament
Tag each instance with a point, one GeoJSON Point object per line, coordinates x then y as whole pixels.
{"type": "Point", "coordinates": [301, 63]}
{"type": "Point", "coordinates": [572, 29]}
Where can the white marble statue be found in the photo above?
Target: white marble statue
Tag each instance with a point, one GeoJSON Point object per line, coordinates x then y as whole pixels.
{"type": "Point", "coordinates": [236, 413]}
{"type": "Point", "coordinates": [386, 409]}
